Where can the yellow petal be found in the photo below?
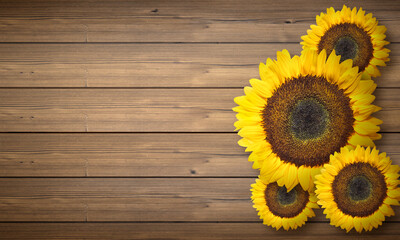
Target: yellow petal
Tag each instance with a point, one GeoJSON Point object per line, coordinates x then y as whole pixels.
{"type": "Point", "coordinates": [292, 178]}
{"type": "Point", "coordinates": [332, 66]}
{"type": "Point", "coordinates": [356, 139]}
{"type": "Point", "coordinates": [386, 210]}
{"type": "Point", "coordinates": [253, 133]}
{"type": "Point", "coordinates": [365, 128]}
{"type": "Point", "coordinates": [365, 87]}
{"type": "Point", "coordinates": [304, 177]}
{"type": "Point", "coordinates": [262, 88]}
{"type": "Point", "coordinates": [321, 63]}
{"type": "Point", "coordinates": [348, 78]}
{"type": "Point", "coordinates": [381, 54]}
{"type": "Point", "coordinates": [246, 104]}
{"type": "Point", "coordinates": [357, 224]}
{"type": "Point", "coordinates": [254, 98]}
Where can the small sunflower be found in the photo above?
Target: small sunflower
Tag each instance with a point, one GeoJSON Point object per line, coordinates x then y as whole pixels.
{"type": "Point", "coordinates": [302, 110]}
{"type": "Point", "coordinates": [353, 35]}
{"type": "Point", "coordinates": [357, 188]}
{"type": "Point", "coordinates": [279, 208]}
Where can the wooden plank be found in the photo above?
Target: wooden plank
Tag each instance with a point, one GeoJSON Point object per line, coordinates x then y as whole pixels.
{"type": "Point", "coordinates": [134, 155]}
{"type": "Point", "coordinates": [173, 21]}
{"type": "Point", "coordinates": [200, 231]}
{"type": "Point", "coordinates": [139, 110]}
{"type": "Point", "coordinates": [129, 199]}
{"type": "Point", "coordinates": [123, 155]}
{"type": "Point", "coordinates": [133, 65]}
{"type": "Point", "coordinates": [216, 9]}
{"type": "Point", "coordinates": [125, 199]}
{"type": "Point", "coordinates": [147, 65]}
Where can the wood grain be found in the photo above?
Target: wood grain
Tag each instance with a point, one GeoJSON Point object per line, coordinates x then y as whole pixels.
{"type": "Point", "coordinates": [139, 110]}
{"type": "Point", "coordinates": [180, 231]}
{"type": "Point", "coordinates": [129, 199]}
{"type": "Point", "coordinates": [174, 21]}
{"type": "Point", "coordinates": [147, 65]}
{"type": "Point", "coordinates": [132, 155]}
{"type": "Point", "coordinates": [133, 99]}
{"type": "Point", "coordinates": [126, 199]}
{"type": "Point", "coordinates": [135, 155]}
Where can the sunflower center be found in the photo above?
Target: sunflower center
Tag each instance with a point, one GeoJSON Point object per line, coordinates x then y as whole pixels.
{"type": "Point", "coordinates": [285, 204]}
{"type": "Point", "coordinates": [350, 41]}
{"type": "Point", "coordinates": [346, 47]}
{"type": "Point", "coordinates": [359, 189]}
{"type": "Point", "coordinates": [285, 197]}
{"type": "Point", "coordinates": [308, 119]}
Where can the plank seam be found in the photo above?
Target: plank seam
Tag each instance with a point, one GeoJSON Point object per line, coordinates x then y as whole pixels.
{"type": "Point", "coordinates": [127, 177]}
{"type": "Point", "coordinates": [140, 43]}
{"type": "Point", "coordinates": [147, 222]}
{"type": "Point", "coordinates": [141, 88]}
{"type": "Point", "coordinates": [136, 132]}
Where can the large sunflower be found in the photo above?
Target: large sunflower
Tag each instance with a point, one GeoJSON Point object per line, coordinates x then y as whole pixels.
{"type": "Point", "coordinates": [302, 110]}
{"type": "Point", "coordinates": [279, 208]}
{"type": "Point", "coordinates": [357, 188]}
{"type": "Point", "coordinates": [353, 35]}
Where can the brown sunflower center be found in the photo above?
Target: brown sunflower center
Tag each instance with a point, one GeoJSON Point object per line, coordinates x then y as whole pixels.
{"type": "Point", "coordinates": [359, 189]}
{"type": "Point", "coordinates": [307, 119]}
{"type": "Point", "coordinates": [346, 47]}
{"type": "Point", "coordinates": [283, 203]}
{"type": "Point", "coordinates": [349, 41]}
{"type": "Point", "coordinates": [285, 197]}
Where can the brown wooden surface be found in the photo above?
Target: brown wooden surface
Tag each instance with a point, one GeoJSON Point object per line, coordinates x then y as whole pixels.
{"type": "Point", "coordinates": [130, 155]}
{"type": "Point", "coordinates": [130, 199]}
{"type": "Point", "coordinates": [140, 110]}
{"type": "Point", "coordinates": [148, 65]}
{"type": "Point", "coordinates": [180, 231]}
{"type": "Point", "coordinates": [116, 120]}
{"type": "Point", "coordinates": [174, 21]}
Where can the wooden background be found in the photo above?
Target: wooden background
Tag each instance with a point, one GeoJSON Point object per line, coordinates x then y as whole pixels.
{"type": "Point", "coordinates": [116, 120]}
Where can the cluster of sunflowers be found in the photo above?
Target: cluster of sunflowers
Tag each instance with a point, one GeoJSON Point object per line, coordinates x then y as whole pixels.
{"type": "Point", "coordinates": [309, 127]}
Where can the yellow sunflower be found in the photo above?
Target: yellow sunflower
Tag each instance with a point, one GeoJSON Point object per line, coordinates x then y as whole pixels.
{"type": "Point", "coordinates": [279, 208]}
{"type": "Point", "coordinates": [353, 35]}
{"type": "Point", "coordinates": [302, 110]}
{"type": "Point", "coordinates": [357, 188]}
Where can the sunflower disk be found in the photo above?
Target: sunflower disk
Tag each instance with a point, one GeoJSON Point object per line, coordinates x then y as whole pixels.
{"type": "Point", "coordinates": [353, 35]}
{"type": "Point", "coordinates": [280, 208]}
{"type": "Point", "coordinates": [357, 188]}
{"type": "Point", "coordinates": [301, 111]}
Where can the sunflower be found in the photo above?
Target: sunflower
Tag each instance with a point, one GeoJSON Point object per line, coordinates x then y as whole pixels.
{"type": "Point", "coordinates": [357, 188]}
{"type": "Point", "coordinates": [302, 110]}
{"type": "Point", "coordinates": [353, 35]}
{"type": "Point", "coordinates": [279, 208]}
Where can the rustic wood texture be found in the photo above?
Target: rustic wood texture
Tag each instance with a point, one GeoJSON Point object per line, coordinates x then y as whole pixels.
{"type": "Point", "coordinates": [126, 199]}
{"type": "Point", "coordinates": [148, 65]}
{"type": "Point", "coordinates": [116, 120]}
{"type": "Point", "coordinates": [130, 199]}
{"type": "Point", "coordinates": [135, 155]}
{"type": "Point", "coordinates": [140, 110]}
{"type": "Point", "coordinates": [174, 21]}
{"type": "Point", "coordinates": [180, 231]}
